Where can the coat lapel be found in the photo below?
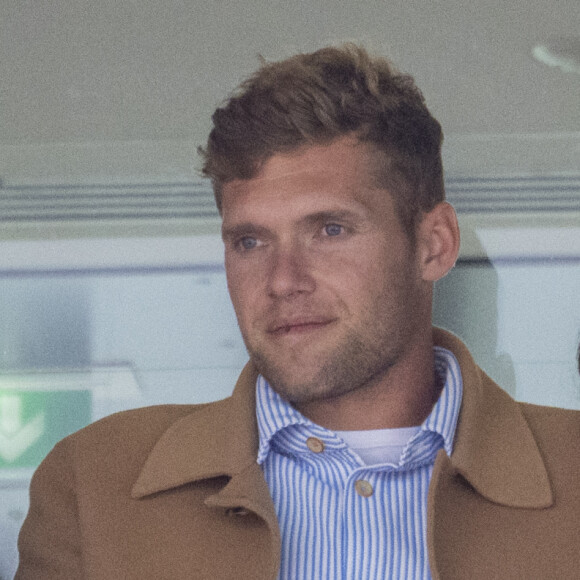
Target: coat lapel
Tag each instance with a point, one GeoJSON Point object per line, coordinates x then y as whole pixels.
{"type": "Point", "coordinates": [495, 459]}
{"type": "Point", "coordinates": [220, 439]}
{"type": "Point", "coordinates": [495, 450]}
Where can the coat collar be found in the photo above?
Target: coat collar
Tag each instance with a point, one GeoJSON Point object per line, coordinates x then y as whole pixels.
{"type": "Point", "coordinates": [219, 439]}
{"type": "Point", "coordinates": [494, 451]}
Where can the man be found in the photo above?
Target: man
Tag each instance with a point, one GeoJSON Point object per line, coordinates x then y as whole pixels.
{"type": "Point", "coordinates": [359, 443]}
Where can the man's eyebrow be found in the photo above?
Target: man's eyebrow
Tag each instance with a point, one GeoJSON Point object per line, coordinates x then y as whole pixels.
{"type": "Point", "coordinates": [240, 230]}
{"type": "Point", "coordinates": [338, 215]}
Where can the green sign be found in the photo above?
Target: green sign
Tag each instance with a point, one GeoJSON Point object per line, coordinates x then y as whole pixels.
{"type": "Point", "coordinates": [31, 422]}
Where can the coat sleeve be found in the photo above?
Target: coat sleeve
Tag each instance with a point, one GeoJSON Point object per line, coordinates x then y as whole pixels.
{"type": "Point", "coordinates": [50, 539]}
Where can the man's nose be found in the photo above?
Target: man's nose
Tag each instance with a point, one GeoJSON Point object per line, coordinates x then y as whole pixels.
{"type": "Point", "coordinates": [290, 272]}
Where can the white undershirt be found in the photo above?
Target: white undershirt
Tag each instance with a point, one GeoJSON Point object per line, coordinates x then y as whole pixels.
{"type": "Point", "coordinates": [378, 446]}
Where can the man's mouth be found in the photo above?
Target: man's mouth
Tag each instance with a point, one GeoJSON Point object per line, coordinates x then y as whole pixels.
{"type": "Point", "coordinates": [298, 326]}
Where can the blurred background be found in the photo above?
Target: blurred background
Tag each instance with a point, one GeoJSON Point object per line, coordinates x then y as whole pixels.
{"type": "Point", "coordinates": [112, 289]}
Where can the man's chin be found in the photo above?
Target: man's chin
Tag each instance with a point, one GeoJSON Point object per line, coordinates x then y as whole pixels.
{"type": "Point", "coordinates": [300, 388]}
{"type": "Point", "coordinates": [296, 385]}
{"type": "Point", "coordinates": [292, 388]}
{"type": "Point", "coordinates": [318, 374]}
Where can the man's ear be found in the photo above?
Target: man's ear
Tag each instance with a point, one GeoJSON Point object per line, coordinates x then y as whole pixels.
{"type": "Point", "coordinates": [438, 241]}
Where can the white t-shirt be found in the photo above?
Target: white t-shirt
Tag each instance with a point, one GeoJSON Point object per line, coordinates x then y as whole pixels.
{"type": "Point", "coordinates": [378, 446]}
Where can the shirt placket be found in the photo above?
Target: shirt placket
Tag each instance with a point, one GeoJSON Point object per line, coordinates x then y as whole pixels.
{"type": "Point", "coordinates": [360, 539]}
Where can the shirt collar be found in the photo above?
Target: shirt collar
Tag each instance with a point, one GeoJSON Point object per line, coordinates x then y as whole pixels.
{"type": "Point", "coordinates": [445, 412]}
{"type": "Point", "coordinates": [275, 414]}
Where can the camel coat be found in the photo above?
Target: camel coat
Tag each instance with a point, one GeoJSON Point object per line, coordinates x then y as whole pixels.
{"type": "Point", "coordinates": [174, 492]}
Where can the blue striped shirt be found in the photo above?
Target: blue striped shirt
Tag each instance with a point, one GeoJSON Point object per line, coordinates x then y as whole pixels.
{"type": "Point", "coordinates": [339, 518]}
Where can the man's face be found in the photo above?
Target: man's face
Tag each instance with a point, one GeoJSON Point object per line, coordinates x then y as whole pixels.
{"type": "Point", "coordinates": [323, 279]}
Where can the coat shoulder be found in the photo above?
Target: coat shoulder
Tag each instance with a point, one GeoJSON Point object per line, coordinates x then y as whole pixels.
{"type": "Point", "coordinates": [551, 417]}
{"type": "Point", "coordinates": [554, 428]}
{"type": "Point", "coordinates": [137, 421]}
{"type": "Point", "coordinates": [124, 439]}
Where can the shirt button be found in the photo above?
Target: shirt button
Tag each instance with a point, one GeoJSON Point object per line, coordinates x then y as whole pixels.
{"type": "Point", "coordinates": [315, 445]}
{"type": "Point", "coordinates": [363, 488]}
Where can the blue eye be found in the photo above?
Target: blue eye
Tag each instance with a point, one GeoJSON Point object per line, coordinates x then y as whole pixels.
{"type": "Point", "coordinates": [248, 243]}
{"type": "Point", "coordinates": [333, 229]}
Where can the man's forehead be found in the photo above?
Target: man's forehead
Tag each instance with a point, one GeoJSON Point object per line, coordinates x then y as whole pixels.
{"type": "Point", "coordinates": [337, 151]}
{"type": "Point", "coordinates": [343, 161]}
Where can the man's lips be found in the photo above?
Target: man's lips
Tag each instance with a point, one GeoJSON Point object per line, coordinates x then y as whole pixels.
{"type": "Point", "coordinates": [285, 327]}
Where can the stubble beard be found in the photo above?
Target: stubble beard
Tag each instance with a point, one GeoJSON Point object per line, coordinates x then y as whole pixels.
{"type": "Point", "coordinates": [349, 367]}
{"type": "Point", "coordinates": [359, 360]}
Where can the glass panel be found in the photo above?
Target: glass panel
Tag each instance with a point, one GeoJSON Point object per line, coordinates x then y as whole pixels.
{"type": "Point", "coordinates": [521, 320]}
